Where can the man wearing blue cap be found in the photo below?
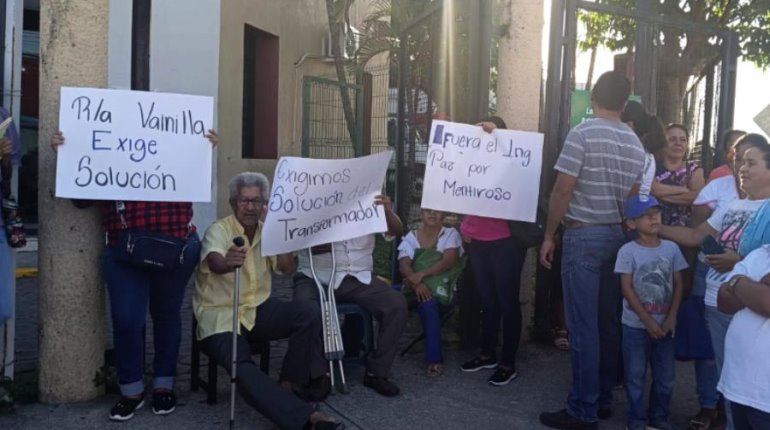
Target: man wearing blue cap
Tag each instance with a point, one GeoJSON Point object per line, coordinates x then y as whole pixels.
{"type": "Point", "coordinates": [651, 281]}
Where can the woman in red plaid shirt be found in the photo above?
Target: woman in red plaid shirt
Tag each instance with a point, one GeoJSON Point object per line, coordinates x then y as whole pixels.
{"type": "Point", "coordinates": [131, 288]}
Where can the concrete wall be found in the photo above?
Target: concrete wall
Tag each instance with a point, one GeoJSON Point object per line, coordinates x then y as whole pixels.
{"type": "Point", "coordinates": [184, 53]}
{"type": "Point", "coordinates": [520, 64]}
{"type": "Point", "coordinates": [73, 52]}
{"type": "Point", "coordinates": [300, 26]}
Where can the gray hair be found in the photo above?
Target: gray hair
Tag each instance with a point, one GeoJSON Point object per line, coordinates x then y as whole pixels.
{"type": "Point", "coordinates": [248, 179]}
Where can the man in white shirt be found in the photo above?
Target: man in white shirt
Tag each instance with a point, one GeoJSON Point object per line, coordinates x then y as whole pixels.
{"type": "Point", "coordinates": [354, 282]}
{"type": "Point", "coordinates": [746, 369]}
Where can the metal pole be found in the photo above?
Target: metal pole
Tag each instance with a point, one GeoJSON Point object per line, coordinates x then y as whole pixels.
{"type": "Point", "coordinates": [238, 241]}
{"type": "Point", "coordinates": [731, 51]}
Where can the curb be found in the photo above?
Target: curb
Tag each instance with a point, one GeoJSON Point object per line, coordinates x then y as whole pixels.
{"type": "Point", "coordinates": [26, 272]}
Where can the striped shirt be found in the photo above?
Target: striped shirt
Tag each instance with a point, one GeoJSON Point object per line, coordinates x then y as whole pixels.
{"type": "Point", "coordinates": [607, 159]}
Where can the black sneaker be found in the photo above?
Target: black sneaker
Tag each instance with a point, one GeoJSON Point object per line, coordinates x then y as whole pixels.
{"type": "Point", "coordinates": [502, 376]}
{"type": "Point", "coordinates": [381, 385]}
{"type": "Point", "coordinates": [563, 420]}
{"type": "Point", "coordinates": [324, 425]}
{"type": "Point", "coordinates": [604, 413]}
{"type": "Point", "coordinates": [318, 389]}
{"type": "Point", "coordinates": [125, 408]}
{"type": "Point", "coordinates": [163, 402]}
{"type": "Point", "coordinates": [478, 363]}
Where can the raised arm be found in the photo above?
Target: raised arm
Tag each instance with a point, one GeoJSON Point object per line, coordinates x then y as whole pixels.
{"type": "Point", "coordinates": [687, 236]}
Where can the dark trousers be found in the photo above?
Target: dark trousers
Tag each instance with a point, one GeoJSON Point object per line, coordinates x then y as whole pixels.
{"type": "Point", "coordinates": [385, 304]}
{"type": "Point", "coordinates": [497, 270]}
{"type": "Point", "coordinates": [301, 324]}
{"type": "Point", "coordinates": [748, 418]}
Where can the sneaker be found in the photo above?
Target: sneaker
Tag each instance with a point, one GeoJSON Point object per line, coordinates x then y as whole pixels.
{"type": "Point", "coordinates": [381, 385]}
{"type": "Point", "coordinates": [125, 408]}
{"type": "Point", "coordinates": [604, 413]}
{"type": "Point", "coordinates": [478, 363]}
{"type": "Point", "coordinates": [318, 389]}
{"type": "Point", "coordinates": [163, 402]}
{"type": "Point", "coordinates": [502, 376]}
{"type": "Point", "coordinates": [563, 420]}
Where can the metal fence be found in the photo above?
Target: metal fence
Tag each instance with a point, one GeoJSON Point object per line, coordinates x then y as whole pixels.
{"type": "Point", "coordinates": [325, 131]}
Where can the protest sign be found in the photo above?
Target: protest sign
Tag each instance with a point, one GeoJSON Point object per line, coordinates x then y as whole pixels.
{"type": "Point", "coordinates": [313, 202]}
{"type": "Point", "coordinates": [134, 145]}
{"type": "Point", "coordinates": [763, 120]}
{"type": "Point", "coordinates": [495, 174]}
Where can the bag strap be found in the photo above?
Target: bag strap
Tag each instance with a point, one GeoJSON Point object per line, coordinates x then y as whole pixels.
{"type": "Point", "coordinates": [120, 208]}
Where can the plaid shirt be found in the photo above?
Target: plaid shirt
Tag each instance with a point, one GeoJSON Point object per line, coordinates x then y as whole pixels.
{"type": "Point", "coordinates": [171, 218]}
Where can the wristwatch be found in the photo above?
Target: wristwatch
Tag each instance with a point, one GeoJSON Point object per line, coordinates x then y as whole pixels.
{"type": "Point", "coordinates": [734, 281]}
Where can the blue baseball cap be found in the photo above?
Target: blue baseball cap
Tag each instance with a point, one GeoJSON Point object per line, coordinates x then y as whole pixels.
{"type": "Point", "coordinates": [636, 206]}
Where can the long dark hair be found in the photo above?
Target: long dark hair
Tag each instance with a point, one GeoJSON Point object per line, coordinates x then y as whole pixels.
{"type": "Point", "coordinates": [647, 127]}
{"type": "Point", "coordinates": [496, 120]}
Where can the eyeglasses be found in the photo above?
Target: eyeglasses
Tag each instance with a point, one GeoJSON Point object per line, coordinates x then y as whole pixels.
{"type": "Point", "coordinates": [246, 202]}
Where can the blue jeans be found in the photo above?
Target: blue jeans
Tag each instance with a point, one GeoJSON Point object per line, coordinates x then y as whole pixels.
{"type": "Point", "coordinates": [592, 306]}
{"type": "Point", "coordinates": [497, 271]}
{"type": "Point", "coordinates": [431, 324]}
{"type": "Point", "coordinates": [6, 279]}
{"type": "Point", "coordinates": [638, 350]}
{"type": "Point", "coordinates": [706, 374]}
{"type": "Point", "coordinates": [718, 323]}
{"type": "Point", "coordinates": [130, 290]}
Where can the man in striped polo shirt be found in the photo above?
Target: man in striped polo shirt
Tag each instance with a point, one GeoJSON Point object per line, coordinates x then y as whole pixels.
{"type": "Point", "coordinates": [599, 167]}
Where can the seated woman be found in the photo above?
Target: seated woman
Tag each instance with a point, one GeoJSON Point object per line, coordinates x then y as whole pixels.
{"type": "Point", "coordinates": [429, 259]}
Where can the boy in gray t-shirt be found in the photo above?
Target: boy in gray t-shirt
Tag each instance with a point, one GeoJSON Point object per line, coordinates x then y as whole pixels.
{"type": "Point", "coordinates": [651, 280]}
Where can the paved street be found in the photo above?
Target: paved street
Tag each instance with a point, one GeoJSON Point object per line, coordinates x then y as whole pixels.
{"type": "Point", "coordinates": [455, 401]}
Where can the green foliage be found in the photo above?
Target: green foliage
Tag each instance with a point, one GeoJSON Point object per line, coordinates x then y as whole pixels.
{"type": "Point", "coordinates": [22, 389]}
{"type": "Point", "coordinates": [749, 19]}
{"type": "Point", "coordinates": [107, 376]}
{"type": "Point", "coordinates": [383, 257]}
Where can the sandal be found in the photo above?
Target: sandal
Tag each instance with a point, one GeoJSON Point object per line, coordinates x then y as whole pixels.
{"type": "Point", "coordinates": [434, 370]}
{"type": "Point", "coordinates": [561, 340]}
{"type": "Point", "coordinates": [703, 420]}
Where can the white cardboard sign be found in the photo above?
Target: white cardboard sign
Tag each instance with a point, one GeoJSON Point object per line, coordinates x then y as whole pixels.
{"type": "Point", "coordinates": [134, 145]}
{"type": "Point", "coordinates": [313, 202]}
{"type": "Point", "coordinates": [496, 174]}
{"type": "Point", "coordinates": [763, 120]}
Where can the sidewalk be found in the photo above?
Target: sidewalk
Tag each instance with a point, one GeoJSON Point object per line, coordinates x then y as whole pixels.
{"type": "Point", "coordinates": [456, 400]}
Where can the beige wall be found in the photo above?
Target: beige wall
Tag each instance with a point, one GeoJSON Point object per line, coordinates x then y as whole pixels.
{"type": "Point", "coordinates": [299, 25]}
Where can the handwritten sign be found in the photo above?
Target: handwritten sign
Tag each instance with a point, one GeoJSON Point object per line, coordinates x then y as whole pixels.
{"type": "Point", "coordinates": [495, 175]}
{"type": "Point", "coordinates": [313, 202]}
{"type": "Point", "coordinates": [763, 120]}
{"type": "Point", "coordinates": [134, 145]}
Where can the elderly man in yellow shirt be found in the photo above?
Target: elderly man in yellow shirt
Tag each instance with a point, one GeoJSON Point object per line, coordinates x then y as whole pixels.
{"type": "Point", "coordinates": [261, 317]}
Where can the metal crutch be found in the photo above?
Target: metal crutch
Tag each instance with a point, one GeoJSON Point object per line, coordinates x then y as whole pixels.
{"type": "Point", "coordinates": [334, 349]}
{"type": "Point", "coordinates": [238, 241]}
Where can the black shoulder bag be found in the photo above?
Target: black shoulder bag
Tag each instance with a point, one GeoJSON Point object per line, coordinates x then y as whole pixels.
{"type": "Point", "coordinates": [148, 250]}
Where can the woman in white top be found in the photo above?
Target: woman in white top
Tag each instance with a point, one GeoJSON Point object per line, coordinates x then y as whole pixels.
{"type": "Point", "coordinates": [428, 259]}
{"type": "Point", "coordinates": [745, 380]}
{"type": "Point", "coordinates": [726, 225]}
